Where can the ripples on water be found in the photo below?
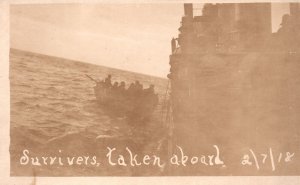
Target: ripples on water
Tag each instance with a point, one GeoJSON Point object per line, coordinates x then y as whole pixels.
{"type": "Point", "coordinates": [52, 98]}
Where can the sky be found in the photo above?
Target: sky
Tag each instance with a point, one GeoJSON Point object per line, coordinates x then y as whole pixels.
{"type": "Point", "coordinates": [133, 37]}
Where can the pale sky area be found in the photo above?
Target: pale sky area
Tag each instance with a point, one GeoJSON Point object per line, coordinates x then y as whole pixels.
{"type": "Point", "coordinates": [133, 37]}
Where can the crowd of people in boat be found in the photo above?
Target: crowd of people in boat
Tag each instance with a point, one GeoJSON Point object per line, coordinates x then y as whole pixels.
{"type": "Point", "coordinates": [134, 95]}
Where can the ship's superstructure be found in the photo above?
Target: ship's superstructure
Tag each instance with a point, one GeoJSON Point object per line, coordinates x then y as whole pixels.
{"type": "Point", "coordinates": [227, 27]}
{"type": "Point", "coordinates": [221, 29]}
{"type": "Point", "coordinates": [215, 76]}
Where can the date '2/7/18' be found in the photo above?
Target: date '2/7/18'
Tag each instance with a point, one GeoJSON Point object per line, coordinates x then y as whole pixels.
{"type": "Point", "coordinates": [262, 159]}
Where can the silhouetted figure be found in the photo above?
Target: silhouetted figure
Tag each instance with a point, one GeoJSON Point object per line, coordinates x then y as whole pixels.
{"type": "Point", "coordinates": [141, 87]}
{"type": "Point", "coordinates": [107, 81]}
{"type": "Point", "coordinates": [115, 86]}
{"type": "Point", "coordinates": [131, 87]}
{"type": "Point", "coordinates": [138, 86]}
{"type": "Point", "coordinates": [114, 92]}
{"type": "Point", "coordinates": [150, 89]}
{"type": "Point", "coordinates": [173, 44]}
{"type": "Point", "coordinates": [136, 83]}
{"type": "Point", "coordinates": [285, 23]}
{"type": "Point", "coordinates": [122, 88]}
{"type": "Point", "coordinates": [287, 37]}
{"type": "Point", "coordinates": [151, 99]}
{"type": "Point", "coordinates": [130, 90]}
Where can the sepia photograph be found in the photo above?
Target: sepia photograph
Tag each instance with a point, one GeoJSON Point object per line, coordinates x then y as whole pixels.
{"type": "Point", "coordinates": [154, 89]}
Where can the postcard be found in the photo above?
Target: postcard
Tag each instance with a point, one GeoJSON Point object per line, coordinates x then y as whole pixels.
{"type": "Point", "coordinates": [191, 90]}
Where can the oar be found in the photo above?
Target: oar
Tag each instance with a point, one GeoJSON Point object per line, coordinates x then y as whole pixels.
{"type": "Point", "coordinates": [91, 78]}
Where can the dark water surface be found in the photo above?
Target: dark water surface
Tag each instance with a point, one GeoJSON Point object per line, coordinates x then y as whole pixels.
{"type": "Point", "coordinates": [53, 108]}
{"type": "Point", "coordinates": [54, 113]}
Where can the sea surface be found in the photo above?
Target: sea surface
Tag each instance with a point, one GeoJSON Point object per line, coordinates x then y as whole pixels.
{"type": "Point", "coordinates": [54, 114]}
{"type": "Point", "coordinates": [53, 107]}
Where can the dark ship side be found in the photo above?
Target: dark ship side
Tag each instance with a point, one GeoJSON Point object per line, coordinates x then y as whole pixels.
{"type": "Point", "coordinates": [231, 81]}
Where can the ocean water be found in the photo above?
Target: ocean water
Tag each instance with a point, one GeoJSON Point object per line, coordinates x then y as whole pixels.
{"type": "Point", "coordinates": [53, 108]}
{"type": "Point", "coordinates": [54, 113]}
